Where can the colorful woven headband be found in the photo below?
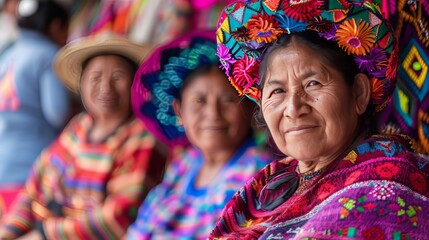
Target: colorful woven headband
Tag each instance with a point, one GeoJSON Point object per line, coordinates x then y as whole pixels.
{"type": "Point", "coordinates": [160, 77]}
{"type": "Point", "coordinates": [246, 29]}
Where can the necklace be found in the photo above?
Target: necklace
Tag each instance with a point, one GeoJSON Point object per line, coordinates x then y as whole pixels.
{"type": "Point", "coordinates": [309, 175]}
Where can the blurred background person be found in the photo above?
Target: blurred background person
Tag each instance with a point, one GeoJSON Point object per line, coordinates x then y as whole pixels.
{"type": "Point", "coordinates": [181, 94]}
{"type": "Point", "coordinates": [8, 26]}
{"type": "Point", "coordinates": [89, 183]}
{"type": "Point", "coordinates": [34, 104]}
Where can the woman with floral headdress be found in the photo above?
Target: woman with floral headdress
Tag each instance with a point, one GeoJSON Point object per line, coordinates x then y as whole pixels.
{"type": "Point", "coordinates": [181, 82]}
{"type": "Point", "coordinates": [320, 70]}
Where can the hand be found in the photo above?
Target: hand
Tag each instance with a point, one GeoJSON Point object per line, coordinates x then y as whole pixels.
{"type": "Point", "coordinates": [4, 234]}
{"type": "Point", "coordinates": [33, 235]}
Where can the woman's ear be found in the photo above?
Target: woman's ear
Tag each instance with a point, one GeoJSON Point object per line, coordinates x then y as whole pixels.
{"type": "Point", "coordinates": [361, 92]}
{"type": "Point", "coordinates": [176, 108]}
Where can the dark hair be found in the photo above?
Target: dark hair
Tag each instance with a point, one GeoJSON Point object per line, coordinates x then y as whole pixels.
{"type": "Point", "coordinates": [130, 62]}
{"type": "Point", "coordinates": [46, 13]}
{"type": "Point", "coordinates": [329, 50]}
{"type": "Point", "coordinates": [200, 70]}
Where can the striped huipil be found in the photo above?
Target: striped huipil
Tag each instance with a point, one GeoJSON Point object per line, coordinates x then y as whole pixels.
{"type": "Point", "coordinates": [81, 190]}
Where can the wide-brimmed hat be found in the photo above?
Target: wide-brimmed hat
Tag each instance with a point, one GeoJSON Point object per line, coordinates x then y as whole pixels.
{"type": "Point", "coordinates": [246, 29]}
{"type": "Point", "coordinates": [69, 59]}
{"type": "Point", "coordinates": [160, 78]}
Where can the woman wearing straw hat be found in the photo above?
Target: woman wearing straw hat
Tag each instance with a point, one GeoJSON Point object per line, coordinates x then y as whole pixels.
{"type": "Point", "coordinates": [320, 70]}
{"type": "Point", "coordinates": [180, 82]}
{"type": "Point", "coordinates": [90, 181]}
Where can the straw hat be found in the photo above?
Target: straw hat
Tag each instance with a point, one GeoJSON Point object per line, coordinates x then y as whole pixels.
{"type": "Point", "coordinates": [69, 59]}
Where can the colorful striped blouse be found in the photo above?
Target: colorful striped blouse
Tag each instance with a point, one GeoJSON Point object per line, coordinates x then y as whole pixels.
{"type": "Point", "coordinates": [176, 209]}
{"type": "Point", "coordinates": [81, 190]}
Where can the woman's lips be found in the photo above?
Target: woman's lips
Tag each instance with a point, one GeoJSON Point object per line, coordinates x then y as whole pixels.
{"type": "Point", "coordinates": [107, 99]}
{"type": "Point", "coordinates": [215, 128]}
{"type": "Point", "coordinates": [300, 129]}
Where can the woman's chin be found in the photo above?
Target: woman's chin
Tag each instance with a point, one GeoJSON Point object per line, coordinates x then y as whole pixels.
{"type": "Point", "coordinates": [302, 154]}
{"type": "Point", "coordinates": [215, 147]}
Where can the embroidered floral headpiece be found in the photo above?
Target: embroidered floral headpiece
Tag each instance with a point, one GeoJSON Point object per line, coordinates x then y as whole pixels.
{"type": "Point", "coordinates": [159, 79]}
{"type": "Point", "coordinates": [246, 29]}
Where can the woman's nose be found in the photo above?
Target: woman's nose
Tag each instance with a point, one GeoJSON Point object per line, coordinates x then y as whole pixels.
{"type": "Point", "coordinates": [295, 105]}
{"type": "Point", "coordinates": [105, 86]}
{"type": "Point", "coordinates": [213, 109]}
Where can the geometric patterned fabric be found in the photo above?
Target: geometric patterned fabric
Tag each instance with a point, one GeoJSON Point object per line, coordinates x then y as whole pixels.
{"type": "Point", "coordinates": [408, 111]}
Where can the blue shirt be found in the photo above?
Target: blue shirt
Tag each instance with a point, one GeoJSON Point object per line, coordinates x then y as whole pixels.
{"type": "Point", "coordinates": [34, 104]}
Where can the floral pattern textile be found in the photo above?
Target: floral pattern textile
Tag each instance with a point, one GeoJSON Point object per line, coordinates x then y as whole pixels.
{"type": "Point", "coordinates": [378, 190]}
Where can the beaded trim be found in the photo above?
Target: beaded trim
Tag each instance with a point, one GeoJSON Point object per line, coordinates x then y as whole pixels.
{"type": "Point", "coordinates": [310, 175]}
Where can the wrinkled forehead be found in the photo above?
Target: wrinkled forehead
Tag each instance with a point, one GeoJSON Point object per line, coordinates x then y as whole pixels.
{"type": "Point", "coordinates": [121, 60]}
{"type": "Point", "coordinates": [210, 80]}
{"type": "Point", "coordinates": [295, 56]}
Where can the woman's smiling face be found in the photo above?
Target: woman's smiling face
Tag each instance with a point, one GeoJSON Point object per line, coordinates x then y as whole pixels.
{"type": "Point", "coordinates": [106, 86]}
{"type": "Point", "coordinates": [215, 118]}
{"type": "Point", "coordinates": [309, 108]}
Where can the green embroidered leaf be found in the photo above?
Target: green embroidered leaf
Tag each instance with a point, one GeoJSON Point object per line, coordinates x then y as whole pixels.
{"type": "Point", "coordinates": [350, 204]}
{"type": "Point", "coordinates": [401, 202]}
{"type": "Point", "coordinates": [411, 212]}
{"type": "Point", "coordinates": [362, 199]}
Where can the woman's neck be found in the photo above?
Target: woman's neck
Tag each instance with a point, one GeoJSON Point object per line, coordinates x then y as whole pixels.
{"type": "Point", "coordinates": [104, 127]}
{"type": "Point", "coordinates": [217, 157]}
{"type": "Point", "coordinates": [213, 163]}
{"type": "Point", "coordinates": [320, 164]}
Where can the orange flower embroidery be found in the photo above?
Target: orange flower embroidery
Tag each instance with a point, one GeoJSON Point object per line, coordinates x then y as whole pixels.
{"type": "Point", "coordinates": [377, 90]}
{"type": "Point", "coordinates": [263, 28]}
{"type": "Point", "coordinates": [236, 86]}
{"type": "Point", "coordinates": [254, 93]}
{"type": "Point", "coordinates": [355, 38]}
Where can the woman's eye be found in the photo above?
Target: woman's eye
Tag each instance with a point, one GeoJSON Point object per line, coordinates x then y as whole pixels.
{"type": "Point", "coordinates": [199, 100]}
{"type": "Point", "coordinates": [277, 91]}
{"type": "Point", "coordinates": [228, 99]}
{"type": "Point", "coordinates": [312, 83]}
{"type": "Point", "coordinates": [117, 77]}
